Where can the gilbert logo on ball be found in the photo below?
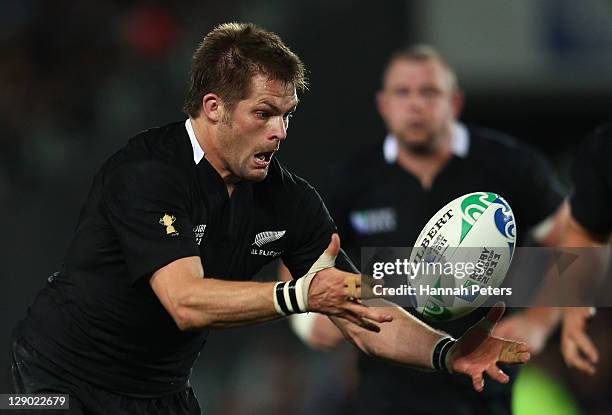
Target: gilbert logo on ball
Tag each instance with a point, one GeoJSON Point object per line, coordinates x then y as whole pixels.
{"type": "Point", "coordinates": [462, 256]}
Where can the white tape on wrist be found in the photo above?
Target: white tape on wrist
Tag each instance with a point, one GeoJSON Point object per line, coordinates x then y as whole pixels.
{"type": "Point", "coordinates": [323, 262]}
{"type": "Point", "coordinates": [292, 296]}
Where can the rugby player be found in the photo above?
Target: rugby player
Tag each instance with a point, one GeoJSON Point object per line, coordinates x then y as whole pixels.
{"type": "Point", "coordinates": [174, 227]}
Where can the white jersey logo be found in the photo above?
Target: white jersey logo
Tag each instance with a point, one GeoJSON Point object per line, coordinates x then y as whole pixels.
{"type": "Point", "coordinates": [266, 237]}
{"type": "Point", "coordinates": [198, 232]}
{"type": "Point", "coordinates": [371, 221]}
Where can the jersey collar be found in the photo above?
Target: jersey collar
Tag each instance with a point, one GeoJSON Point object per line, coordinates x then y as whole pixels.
{"type": "Point", "coordinates": [198, 153]}
{"type": "Point", "coordinates": [460, 143]}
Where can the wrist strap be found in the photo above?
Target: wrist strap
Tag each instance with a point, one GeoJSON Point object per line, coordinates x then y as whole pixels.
{"type": "Point", "coordinates": [440, 353]}
{"type": "Point", "coordinates": [292, 296]}
{"type": "Point", "coordinates": [284, 298]}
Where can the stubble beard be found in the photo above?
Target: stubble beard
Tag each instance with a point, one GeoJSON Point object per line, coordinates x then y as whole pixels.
{"type": "Point", "coordinates": [427, 147]}
{"type": "Point", "coordinates": [238, 167]}
{"type": "Point", "coordinates": [430, 145]}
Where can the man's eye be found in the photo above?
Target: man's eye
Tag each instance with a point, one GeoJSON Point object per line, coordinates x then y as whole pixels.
{"type": "Point", "coordinates": [262, 114]}
{"type": "Point", "coordinates": [430, 92]}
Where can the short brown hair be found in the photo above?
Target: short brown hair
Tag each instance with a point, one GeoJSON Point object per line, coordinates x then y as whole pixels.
{"type": "Point", "coordinates": [230, 55]}
{"type": "Point", "coordinates": [422, 53]}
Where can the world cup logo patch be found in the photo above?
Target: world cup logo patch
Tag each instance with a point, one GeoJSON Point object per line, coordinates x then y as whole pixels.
{"type": "Point", "coordinates": [167, 221]}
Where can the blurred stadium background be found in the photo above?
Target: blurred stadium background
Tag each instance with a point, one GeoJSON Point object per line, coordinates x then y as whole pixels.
{"type": "Point", "coordinates": [78, 78]}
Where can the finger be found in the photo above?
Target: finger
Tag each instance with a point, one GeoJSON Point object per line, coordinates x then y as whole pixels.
{"type": "Point", "coordinates": [513, 352]}
{"type": "Point", "coordinates": [487, 324]}
{"type": "Point", "coordinates": [569, 351]}
{"type": "Point", "coordinates": [350, 280]}
{"type": "Point", "coordinates": [586, 346]}
{"type": "Point", "coordinates": [334, 245]}
{"type": "Point", "coordinates": [501, 330]}
{"type": "Point", "coordinates": [574, 360]}
{"type": "Point", "coordinates": [508, 351]}
{"type": "Point", "coordinates": [376, 315]}
{"type": "Point", "coordinates": [368, 325]}
{"type": "Point", "coordinates": [478, 382]}
{"type": "Point", "coordinates": [497, 374]}
{"type": "Point", "coordinates": [495, 313]}
{"type": "Point", "coordinates": [522, 347]}
{"type": "Point", "coordinates": [583, 365]}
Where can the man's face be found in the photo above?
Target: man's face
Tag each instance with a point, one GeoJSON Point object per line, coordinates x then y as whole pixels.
{"type": "Point", "coordinates": [252, 132]}
{"type": "Point", "coordinates": [418, 103]}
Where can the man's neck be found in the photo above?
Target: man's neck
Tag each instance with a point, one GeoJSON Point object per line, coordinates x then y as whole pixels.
{"type": "Point", "coordinates": [425, 167]}
{"type": "Point", "coordinates": [205, 135]}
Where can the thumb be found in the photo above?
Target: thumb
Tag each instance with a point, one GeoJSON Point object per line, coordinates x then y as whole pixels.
{"type": "Point", "coordinates": [334, 245]}
{"type": "Point", "coordinates": [493, 316]}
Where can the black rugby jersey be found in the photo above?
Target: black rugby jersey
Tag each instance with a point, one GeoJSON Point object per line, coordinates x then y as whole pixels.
{"type": "Point", "coordinates": [591, 200]}
{"type": "Point", "coordinates": [149, 205]}
{"type": "Point", "coordinates": [376, 203]}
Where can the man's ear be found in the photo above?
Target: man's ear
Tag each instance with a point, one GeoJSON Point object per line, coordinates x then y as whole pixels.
{"type": "Point", "coordinates": [457, 101]}
{"type": "Point", "coordinates": [212, 107]}
{"type": "Point", "coordinates": [380, 101]}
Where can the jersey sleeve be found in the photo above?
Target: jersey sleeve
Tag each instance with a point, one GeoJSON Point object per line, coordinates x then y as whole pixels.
{"type": "Point", "coordinates": [312, 234]}
{"type": "Point", "coordinates": [146, 204]}
{"type": "Point", "coordinates": [591, 199]}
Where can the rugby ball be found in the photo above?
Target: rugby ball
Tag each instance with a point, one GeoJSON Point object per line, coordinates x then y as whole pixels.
{"type": "Point", "coordinates": [461, 256]}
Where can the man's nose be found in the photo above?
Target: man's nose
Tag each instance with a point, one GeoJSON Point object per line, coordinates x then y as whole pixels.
{"type": "Point", "coordinates": [280, 128]}
{"type": "Point", "coordinates": [415, 102]}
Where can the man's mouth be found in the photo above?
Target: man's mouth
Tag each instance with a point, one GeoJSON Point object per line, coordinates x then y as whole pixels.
{"type": "Point", "coordinates": [416, 125]}
{"type": "Point", "coordinates": [263, 158]}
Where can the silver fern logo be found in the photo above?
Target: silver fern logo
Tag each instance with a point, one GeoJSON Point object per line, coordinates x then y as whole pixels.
{"type": "Point", "coordinates": [266, 237]}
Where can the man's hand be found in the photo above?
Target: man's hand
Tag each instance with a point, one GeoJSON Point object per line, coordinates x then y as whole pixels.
{"type": "Point", "coordinates": [337, 293]}
{"type": "Point", "coordinates": [577, 348]}
{"type": "Point", "coordinates": [532, 326]}
{"type": "Point", "coordinates": [477, 352]}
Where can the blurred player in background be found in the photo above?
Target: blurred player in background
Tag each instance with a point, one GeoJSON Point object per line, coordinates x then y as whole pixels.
{"type": "Point", "coordinates": [385, 195]}
{"type": "Point", "coordinates": [589, 225]}
{"type": "Point", "coordinates": [176, 224]}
